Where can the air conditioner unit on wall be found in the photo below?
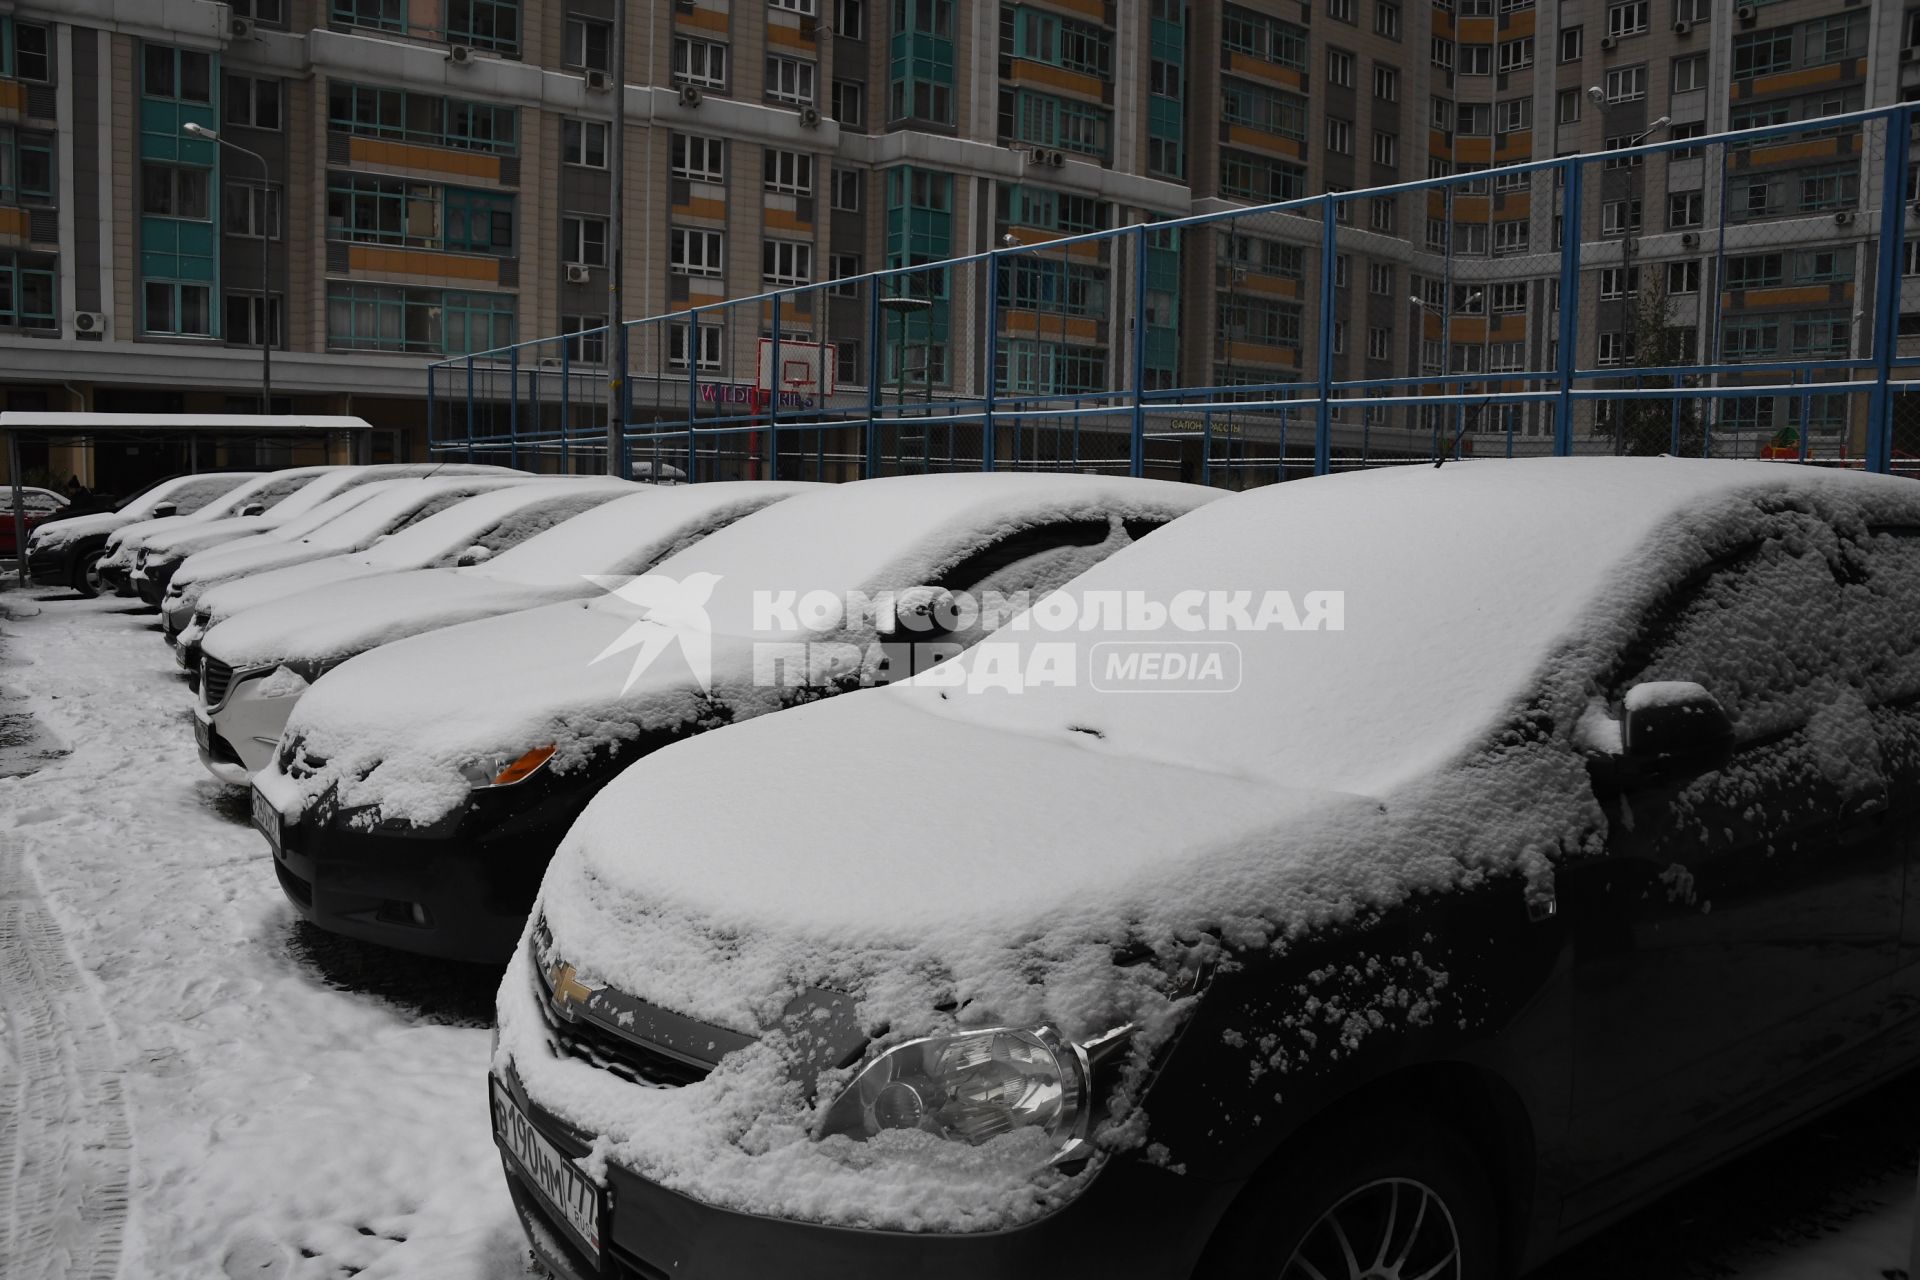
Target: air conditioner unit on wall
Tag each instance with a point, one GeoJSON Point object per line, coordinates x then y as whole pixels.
{"type": "Point", "coordinates": [1844, 218]}
{"type": "Point", "coordinates": [809, 117]}
{"type": "Point", "coordinates": [1608, 42]}
{"type": "Point", "coordinates": [1690, 239]}
{"type": "Point", "coordinates": [89, 322]}
{"type": "Point", "coordinates": [459, 55]}
{"type": "Point", "coordinates": [1682, 27]}
{"type": "Point", "coordinates": [577, 273]}
{"type": "Point", "coordinates": [1747, 14]}
{"type": "Point", "coordinates": [689, 96]}
{"type": "Point", "coordinates": [240, 28]}
{"type": "Point", "coordinates": [599, 81]}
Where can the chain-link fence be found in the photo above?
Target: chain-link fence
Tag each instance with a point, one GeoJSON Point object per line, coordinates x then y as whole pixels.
{"type": "Point", "coordinates": [1736, 295]}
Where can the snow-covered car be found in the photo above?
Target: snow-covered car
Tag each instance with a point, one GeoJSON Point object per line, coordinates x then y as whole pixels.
{"type": "Point", "coordinates": [265, 658]}
{"type": "Point", "coordinates": [236, 698]}
{"type": "Point", "coordinates": [250, 499]}
{"type": "Point", "coordinates": [418, 790]}
{"type": "Point", "coordinates": [36, 505]}
{"type": "Point", "coordinates": [398, 505]}
{"type": "Point", "coordinates": [163, 553]}
{"type": "Point", "coordinates": [67, 553]}
{"type": "Point", "coordinates": [1569, 853]}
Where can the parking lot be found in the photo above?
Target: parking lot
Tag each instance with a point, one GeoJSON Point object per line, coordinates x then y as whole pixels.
{"type": "Point", "coordinates": [199, 1082]}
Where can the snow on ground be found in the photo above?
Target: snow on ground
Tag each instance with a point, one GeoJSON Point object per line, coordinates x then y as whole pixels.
{"type": "Point", "coordinates": [281, 1119]}
{"type": "Point", "coordinates": [280, 1128]}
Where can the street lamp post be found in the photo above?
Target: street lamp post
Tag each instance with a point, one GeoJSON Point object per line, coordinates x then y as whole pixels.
{"type": "Point", "coordinates": [266, 257]}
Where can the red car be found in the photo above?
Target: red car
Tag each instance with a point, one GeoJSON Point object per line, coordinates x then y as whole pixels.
{"type": "Point", "coordinates": [39, 504]}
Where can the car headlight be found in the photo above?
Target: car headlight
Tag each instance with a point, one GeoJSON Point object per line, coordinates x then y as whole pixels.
{"type": "Point", "coordinates": [503, 770]}
{"type": "Point", "coordinates": [969, 1087]}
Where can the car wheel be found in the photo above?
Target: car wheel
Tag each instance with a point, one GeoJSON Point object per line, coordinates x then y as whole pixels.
{"type": "Point", "coordinates": [86, 575]}
{"type": "Point", "coordinates": [1376, 1201]}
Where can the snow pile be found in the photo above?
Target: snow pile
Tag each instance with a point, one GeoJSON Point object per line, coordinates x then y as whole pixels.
{"type": "Point", "coordinates": [264, 491]}
{"type": "Point", "coordinates": [222, 561]}
{"type": "Point", "coordinates": [627, 535]}
{"type": "Point", "coordinates": [395, 726]}
{"type": "Point", "coordinates": [187, 493]}
{"type": "Point", "coordinates": [1009, 844]}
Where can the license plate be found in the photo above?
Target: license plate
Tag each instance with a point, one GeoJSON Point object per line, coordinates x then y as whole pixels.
{"type": "Point", "coordinates": [203, 735]}
{"type": "Point", "coordinates": [267, 819]}
{"type": "Point", "coordinates": [557, 1180]}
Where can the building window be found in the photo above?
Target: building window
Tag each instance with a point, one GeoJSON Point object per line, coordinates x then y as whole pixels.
{"type": "Point", "coordinates": [1626, 84]}
{"type": "Point", "coordinates": [1386, 20]}
{"type": "Point", "coordinates": [1628, 19]}
{"type": "Point", "coordinates": [1386, 149]}
{"type": "Point", "coordinates": [1339, 136]}
{"type": "Point", "coordinates": [484, 24]}
{"type": "Point", "coordinates": [26, 167]}
{"type": "Point", "coordinates": [1268, 39]}
{"type": "Point", "coordinates": [1340, 10]}
{"type": "Point", "coordinates": [1382, 214]}
{"type": "Point", "coordinates": [249, 210]}
{"type": "Point", "coordinates": [583, 143]}
{"type": "Point", "coordinates": [380, 15]}
{"type": "Point", "coordinates": [1508, 298]}
{"type": "Point", "coordinates": [586, 339]}
{"type": "Point", "coordinates": [849, 370]}
{"type": "Point", "coordinates": [708, 345]}
{"type": "Point", "coordinates": [184, 75]}
{"type": "Point", "coordinates": [1340, 68]}
{"type": "Point", "coordinates": [786, 262]}
{"type": "Point", "coordinates": [251, 103]}
{"type": "Point", "coordinates": [479, 221]}
{"type": "Point", "coordinates": [1386, 83]}
{"type": "Point", "coordinates": [1513, 115]}
{"type": "Point", "coordinates": [178, 308]}
{"type": "Point", "coordinates": [787, 172]}
{"type": "Point", "coordinates": [802, 7]}
{"type": "Point", "coordinates": [250, 318]}
{"type": "Point", "coordinates": [26, 293]}
{"type": "Point", "coordinates": [1683, 277]}
{"type": "Point", "coordinates": [843, 268]}
{"type": "Point", "coordinates": [1619, 282]}
{"type": "Point", "coordinates": [1685, 209]}
{"type": "Point", "coordinates": [1511, 236]}
{"type": "Point", "coordinates": [1619, 217]}
{"type": "Point", "coordinates": [1379, 343]}
{"type": "Point", "coordinates": [699, 62]}
{"type": "Point", "coordinates": [1380, 279]}
{"type": "Point", "coordinates": [698, 159]}
{"type": "Point", "coordinates": [1615, 349]}
{"type": "Point", "coordinates": [583, 240]}
{"type": "Point", "coordinates": [1572, 43]}
{"type": "Point", "coordinates": [695, 251]}
{"type": "Point", "coordinates": [171, 191]}
{"type": "Point", "coordinates": [587, 45]}
{"type": "Point", "coordinates": [1516, 55]}
{"type": "Point", "coordinates": [789, 80]}
{"type": "Point", "coordinates": [1476, 59]}
{"type": "Point", "coordinates": [29, 56]}
{"type": "Point", "coordinates": [850, 19]}
{"type": "Point", "coordinates": [1567, 106]}
{"type": "Point", "coordinates": [846, 189]}
{"type": "Point", "coordinates": [370, 317]}
{"type": "Point", "coordinates": [421, 117]}
{"type": "Point", "coordinates": [1689, 73]}
{"type": "Point", "coordinates": [849, 103]}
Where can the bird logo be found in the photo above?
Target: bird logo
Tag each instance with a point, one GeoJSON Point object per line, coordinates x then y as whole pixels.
{"type": "Point", "coordinates": [672, 610]}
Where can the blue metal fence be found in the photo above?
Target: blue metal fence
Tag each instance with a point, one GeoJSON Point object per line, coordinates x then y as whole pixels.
{"type": "Point", "coordinates": [1539, 307]}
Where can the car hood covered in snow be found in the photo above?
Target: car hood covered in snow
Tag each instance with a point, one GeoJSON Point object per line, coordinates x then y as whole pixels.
{"type": "Point", "coordinates": [624, 536]}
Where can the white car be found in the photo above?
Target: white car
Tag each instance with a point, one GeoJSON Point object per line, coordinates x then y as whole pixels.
{"type": "Point", "coordinates": [253, 498]}
{"type": "Point", "coordinates": [426, 782]}
{"type": "Point", "coordinates": [164, 552]}
{"type": "Point", "coordinates": [260, 661]}
{"type": "Point", "coordinates": [400, 504]}
{"type": "Point", "coordinates": [67, 553]}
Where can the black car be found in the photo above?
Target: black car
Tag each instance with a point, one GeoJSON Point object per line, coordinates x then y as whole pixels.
{"type": "Point", "coordinates": [1551, 842]}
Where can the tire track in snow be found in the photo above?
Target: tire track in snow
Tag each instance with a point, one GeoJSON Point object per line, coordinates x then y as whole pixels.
{"type": "Point", "coordinates": [65, 1146]}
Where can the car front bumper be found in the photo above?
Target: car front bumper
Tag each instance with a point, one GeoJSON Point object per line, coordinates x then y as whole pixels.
{"type": "Point", "coordinates": [462, 895]}
{"type": "Point", "coordinates": [119, 577]}
{"type": "Point", "coordinates": [50, 568]}
{"type": "Point", "coordinates": [1134, 1220]}
{"type": "Point", "coordinates": [218, 754]}
{"type": "Point", "coordinates": [242, 731]}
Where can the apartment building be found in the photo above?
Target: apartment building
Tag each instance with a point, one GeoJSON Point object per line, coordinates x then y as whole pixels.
{"type": "Point", "coordinates": [399, 181]}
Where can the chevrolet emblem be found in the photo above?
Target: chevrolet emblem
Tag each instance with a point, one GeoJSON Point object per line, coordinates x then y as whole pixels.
{"type": "Point", "coordinates": [568, 989]}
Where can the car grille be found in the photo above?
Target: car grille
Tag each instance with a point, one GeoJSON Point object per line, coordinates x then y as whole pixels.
{"type": "Point", "coordinates": [216, 677]}
{"type": "Point", "coordinates": [630, 1059]}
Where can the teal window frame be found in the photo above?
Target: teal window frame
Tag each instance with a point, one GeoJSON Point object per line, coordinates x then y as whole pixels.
{"type": "Point", "coordinates": [485, 24]}
{"type": "Point", "coordinates": [177, 60]}
{"type": "Point", "coordinates": [15, 186]}
{"type": "Point", "coordinates": [16, 277]}
{"type": "Point", "coordinates": [1263, 36]}
{"type": "Point", "coordinates": [34, 66]}
{"type": "Point", "coordinates": [395, 318]}
{"type": "Point", "coordinates": [372, 15]}
{"type": "Point", "coordinates": [1268, 110]}
{"type": "Point", "coordinates": [477, 221]}
{"type": "Point", "coordinates": [1261, 179]}
{"type": "Point", "coordinates": [376, 111]}
{"type": "Point", "coordinates": [176, 290]}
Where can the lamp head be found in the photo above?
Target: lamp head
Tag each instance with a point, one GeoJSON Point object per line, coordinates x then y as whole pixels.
{"type": "Point", "coordinates": [1594, 92]}
{"type": "Point", "coordinates": [200, 131]}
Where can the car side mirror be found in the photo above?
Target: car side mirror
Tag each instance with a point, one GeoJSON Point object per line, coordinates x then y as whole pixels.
{"type": "Point", "coordinates": [162, 510]}
{"type": "Point", "coordinates": [475, 554]}
{"type": "Point", "coordinates": [1672, 729]}
{"type": "Point", "coordinates": [254, 509]}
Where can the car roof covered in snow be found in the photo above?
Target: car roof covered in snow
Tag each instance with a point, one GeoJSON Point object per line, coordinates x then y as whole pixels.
{"type": "Point", "coordinates": [398, 500]}
{"type": "Point", "coordinates": [896, 529]}
{"type": "Point", "coordinates": [550, 499]}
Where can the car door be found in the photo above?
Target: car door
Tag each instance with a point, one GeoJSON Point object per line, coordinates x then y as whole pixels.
{"type": "Point", "coordinates": [1734, 945]}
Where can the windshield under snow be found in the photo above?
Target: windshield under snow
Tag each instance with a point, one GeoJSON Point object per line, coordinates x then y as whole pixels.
{"type": "Point", "coordinates": [493, 520]}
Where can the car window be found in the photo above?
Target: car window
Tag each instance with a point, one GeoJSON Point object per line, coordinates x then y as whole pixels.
{"type": "Point", "coordinates": [1757, 631]}
{"type": "Point", "coordinates": [516, 528]}
{"type": "Point", "coordinates": [1880, 631]}
{"type": "Point", "coordinates": [992, 562]}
